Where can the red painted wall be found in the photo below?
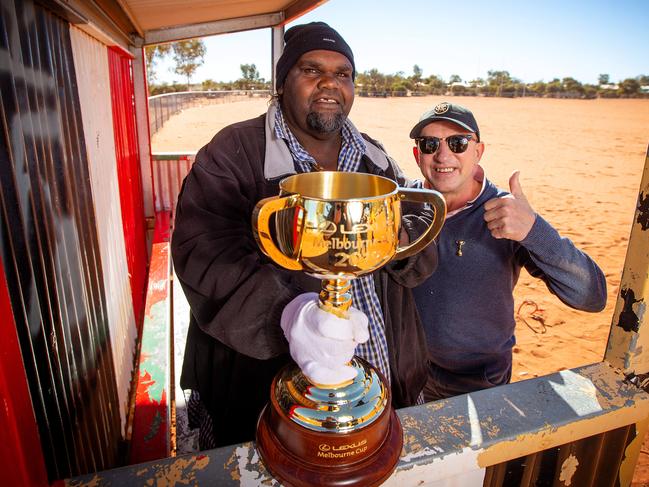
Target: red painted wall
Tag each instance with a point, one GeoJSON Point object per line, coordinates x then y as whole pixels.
{"type": "Point", "coordinates": [21, 459]}
{"type": "Point", "coordinates": [128, 174]}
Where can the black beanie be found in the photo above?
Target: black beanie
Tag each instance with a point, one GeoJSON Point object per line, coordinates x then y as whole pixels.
{"type": "Point", "coordinates": [309, 37]}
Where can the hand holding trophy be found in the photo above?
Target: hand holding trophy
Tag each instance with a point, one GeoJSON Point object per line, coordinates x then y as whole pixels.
{"type": "Point", "coordinates": [335, 226]}
{"type": "Point", "coordinates": [321, 343]}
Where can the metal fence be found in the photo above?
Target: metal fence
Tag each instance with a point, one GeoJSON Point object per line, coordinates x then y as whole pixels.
{"type": "Point", "coordinates": [161, 107]}
{"type": "Point", "coordinates": [169, 171]}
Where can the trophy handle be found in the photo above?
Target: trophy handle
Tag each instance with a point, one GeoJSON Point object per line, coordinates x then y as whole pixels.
{"type": "Point", "coordinates": [438, 203]}
{"type": "Point", "coordinates": [261, 229]}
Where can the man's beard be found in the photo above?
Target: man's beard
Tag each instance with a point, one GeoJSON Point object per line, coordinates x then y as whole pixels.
{"type": "Point", "coordinates": [325, 124]}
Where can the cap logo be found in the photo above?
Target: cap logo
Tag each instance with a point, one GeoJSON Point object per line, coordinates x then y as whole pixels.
{"type": "Point", "coordinates": [442, 108]}
{"type": "Point", "coordinates": [329, 40]}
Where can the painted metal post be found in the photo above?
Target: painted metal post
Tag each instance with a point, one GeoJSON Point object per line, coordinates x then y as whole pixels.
{"type": "Point", "coordinates": [277, 47]}
{"type": "Point", "coordinates": [628, 341]}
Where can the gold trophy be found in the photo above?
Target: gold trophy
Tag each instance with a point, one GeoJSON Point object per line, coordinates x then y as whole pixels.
{"type": "Point", "coordinates": [335, 226]}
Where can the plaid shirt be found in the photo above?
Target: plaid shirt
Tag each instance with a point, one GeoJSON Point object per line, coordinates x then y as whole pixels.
{"type": "Point", "coordinates": [364, 296]}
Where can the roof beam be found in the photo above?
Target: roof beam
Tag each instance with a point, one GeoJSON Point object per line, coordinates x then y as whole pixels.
{"type": "Point", "coordinates": [173, 34]}
{"type": "Point", "coordinates": [105, 20]}
{"type": "Point", "coordinates": [299, 8]}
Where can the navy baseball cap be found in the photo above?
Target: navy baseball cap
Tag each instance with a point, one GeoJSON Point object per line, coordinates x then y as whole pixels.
{"type": "Point", "coordinates": [447, 111]}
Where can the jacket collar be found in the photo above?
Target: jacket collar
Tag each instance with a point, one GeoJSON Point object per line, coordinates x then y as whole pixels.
{"type": "Point", "coordinates": [279, 162]}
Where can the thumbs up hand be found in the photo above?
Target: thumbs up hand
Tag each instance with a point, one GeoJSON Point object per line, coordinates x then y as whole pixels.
{"type": "Point", "coordinates": [511, 216]}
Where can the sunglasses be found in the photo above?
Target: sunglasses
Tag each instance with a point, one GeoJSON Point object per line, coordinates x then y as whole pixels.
{"type": "Point", "coordinates": [457, 143]}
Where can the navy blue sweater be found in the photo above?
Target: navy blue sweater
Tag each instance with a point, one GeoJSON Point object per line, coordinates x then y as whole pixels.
{"type": "Point", "coordinates": [467, 305]}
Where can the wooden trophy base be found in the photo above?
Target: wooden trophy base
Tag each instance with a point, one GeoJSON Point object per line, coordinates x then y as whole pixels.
{"type": "Point", "coordinates": [302, 457]}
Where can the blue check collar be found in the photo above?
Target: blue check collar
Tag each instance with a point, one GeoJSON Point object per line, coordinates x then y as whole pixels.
{"type": "Point", "coordinates": [349, 159]}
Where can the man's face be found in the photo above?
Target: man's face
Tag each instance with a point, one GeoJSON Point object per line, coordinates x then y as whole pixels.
{"type": "Point", "coordinates": [318, 93]}
{"type": "Point", "coordinates": [452, 174]}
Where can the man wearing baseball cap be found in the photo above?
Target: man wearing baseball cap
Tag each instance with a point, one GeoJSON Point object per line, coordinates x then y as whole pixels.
{"type": "Point", "coordinates": [238, 296]}
{"type": "Point", "coordinates": [467, 305]}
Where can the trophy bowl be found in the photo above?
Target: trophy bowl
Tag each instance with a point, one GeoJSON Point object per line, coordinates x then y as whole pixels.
{"type": "Point", "coordinates": [335, 226]}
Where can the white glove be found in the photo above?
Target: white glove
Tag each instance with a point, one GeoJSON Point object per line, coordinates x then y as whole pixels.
{"type": "Point", "coordinates": [321, 343]}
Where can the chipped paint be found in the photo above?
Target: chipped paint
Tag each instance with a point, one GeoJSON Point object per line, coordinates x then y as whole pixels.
{"type": "Point", "coordinates": [248, 467]}
{"type": "Point", "coordinates": [632, 452]}
{"type": "Point", "coordinates": [95, 481]}
{"type": "Point", "coordinates": [642, 216]}
{"type": "Point", "coordinates": [627, 342]}
{"type": "Point", "coordinates": [182, 471]}
{"type": "Point", "coordinates": [553, 435]}
{"type": "Point", "coordinates": [568, 469]}
{"type": "Point", "coordinates": [628, 319]}
{"type": "Point", "coordinates": [441, 438]}
{"type": "Point", "coordinates": [460, 467]}
{"type": "Point", "coordinates": [151, 436]}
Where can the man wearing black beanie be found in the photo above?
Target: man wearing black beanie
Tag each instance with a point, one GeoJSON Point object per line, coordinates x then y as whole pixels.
{"type": "Point", "coordinates": [309, 37]}
{"type": "Point", "coordinates": [235, 344]}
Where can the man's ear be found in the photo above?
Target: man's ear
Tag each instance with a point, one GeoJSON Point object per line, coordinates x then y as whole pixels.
{"type": "Point", "coordinates": [415, 152]}
{"type": "Point", "coordinates": [479, 148]}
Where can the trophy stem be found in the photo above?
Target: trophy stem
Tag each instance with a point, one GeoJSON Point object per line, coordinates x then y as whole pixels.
{"type": "Point", "coordinates": [336, 296]}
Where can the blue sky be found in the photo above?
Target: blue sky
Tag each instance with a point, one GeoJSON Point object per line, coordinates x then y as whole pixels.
{"type": "Point", "coordinates": [533, 40]}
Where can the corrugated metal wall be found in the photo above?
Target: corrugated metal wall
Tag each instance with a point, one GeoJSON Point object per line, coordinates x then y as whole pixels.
{"type": "Point", "coordinates": [590, 462]}
{"type": "Point", "coordinates": [91, 62]}
{"type": "Point", "coordinates": [128, 174]}
{"type": "Point", "coordinates": [49, 245]}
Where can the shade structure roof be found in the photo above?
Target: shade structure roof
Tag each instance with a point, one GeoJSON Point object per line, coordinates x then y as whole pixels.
{"type": "Point", "coordinates": [145, 22]}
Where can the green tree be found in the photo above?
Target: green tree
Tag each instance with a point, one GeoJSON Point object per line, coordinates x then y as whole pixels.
{"type": "Point", "coordinates": [477, 85]}
{"type": "Point", "coordinates": [436, 85]}
{"type": "Point", "coordinates": [249, 78]}
{"type": "Point", "coordinates": [455, 78]}
{"type": "Point", "coordinates": [151, 55]}
{"type": "Point", "coordinates": [590, 91]}
{"type": "Point", "coordinates": [376, 80]}
{"type": "Point", "coordinates": [249, 72]}
{"type": "Point", "coordinates": [496, 80]}
{"type": "Point", "coordinates": [188, 56]}
{"type": "Point", "coordinates": [603, 79]}
{"type": "Point", "coordinates": [643, 79]}
{"type": "Point", "coordinates": [572, 87]}
{"type": "Point", "coordinates": [536, 89]}
{"type": "Point", "coordinates": [554, 87]}
{"type": "Point", "coordinates": [417, 73]}
{"type": "Point", "coordinates": [629, 87]}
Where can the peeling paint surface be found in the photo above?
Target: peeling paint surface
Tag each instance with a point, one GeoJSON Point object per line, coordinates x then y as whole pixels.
{"type": "Point", "coordinates": [568, 469]}
{"type": "Point", "coordinates": [628, 319]}
{"type": "Point", "coordinates": [151, 437]}
{"type": "Point", "coordinates": [627, 340]}
{"type": "Point", "coordinates": [451, 438]}
{"type": "Point", "coordinates": [642, 214]}
{"type": "Point", "coordinates": [458, 468]}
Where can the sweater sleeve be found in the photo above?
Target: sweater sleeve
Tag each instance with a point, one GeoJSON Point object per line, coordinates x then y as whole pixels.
{"type": "Point", "coordinates": [567, 271]}
{"type": "Point", "coordinates": [235, 293]}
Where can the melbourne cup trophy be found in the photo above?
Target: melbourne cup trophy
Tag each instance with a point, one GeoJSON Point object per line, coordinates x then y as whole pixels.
{"type": "Point", "coordinates": [335, 226]}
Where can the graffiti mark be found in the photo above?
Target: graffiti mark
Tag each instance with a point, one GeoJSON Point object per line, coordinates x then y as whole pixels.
{"type": "Point", "coordinates": [643, 211]}
{"type": "Point", "coordinates": [628, 318]}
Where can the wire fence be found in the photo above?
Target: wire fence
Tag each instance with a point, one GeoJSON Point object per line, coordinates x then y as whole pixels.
{"type": "Point", "coordinates": [162, 107]}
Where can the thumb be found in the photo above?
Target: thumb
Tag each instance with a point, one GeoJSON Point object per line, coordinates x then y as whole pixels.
{"type": "Point", "coordinates": [515, 186]}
